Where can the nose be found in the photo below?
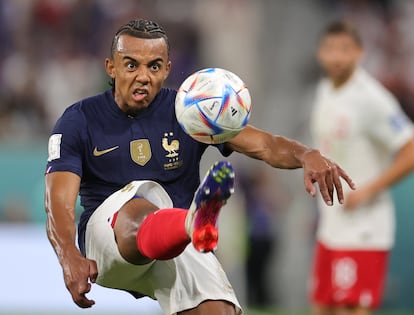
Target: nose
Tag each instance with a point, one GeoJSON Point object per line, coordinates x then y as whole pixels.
{"type": "Point", "coordinates": [142, 75]}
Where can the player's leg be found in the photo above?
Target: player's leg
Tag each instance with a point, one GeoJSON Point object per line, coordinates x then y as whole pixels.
{"type": "Point", "coordinates": [193, 282]}
{"type": "Point", "coordinates": [362, 311]}
{"type": "Point", "coordinates": [339, 310]}
{"type": "Point", "coordinates": [140, 212]}
{"type": "Point", "coordinates": [352, 311]}
{"type": "Point", "coordinates": [143, 232]}
{"type": "Point", "coordinates": [201, 222]}
{"type": "Point", "coordinates": [322, 310]}
{"type": "Point", "coordinates": [359, 276]}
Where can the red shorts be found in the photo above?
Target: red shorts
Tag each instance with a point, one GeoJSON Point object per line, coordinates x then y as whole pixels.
{"type": "Point", "coordinates": [348, 277]}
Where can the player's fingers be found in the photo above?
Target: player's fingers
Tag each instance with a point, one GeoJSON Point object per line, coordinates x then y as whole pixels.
{"type": "Point", "coordinates": [84, 288]}
{"type": "Point", "coordinates": [338, 185]}
{"type": "Point", "coordinates": [345, 176]}
{"type": "Point", "coordinates": [80, 298]}
{"type": "Point", "coordinates": [330, 182]}
{"type": "Point", "coordinates": [310, 188]}
{"type": "Point", "coordinates": [93, 271]}
{"type": "Point", "coordinates": [83, 302]}
{"type": "Point", "coordinates": [323, 188]}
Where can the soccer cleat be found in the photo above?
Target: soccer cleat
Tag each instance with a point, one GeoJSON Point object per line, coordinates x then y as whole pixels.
{"type": "Point", "coordinates": [201, 221]}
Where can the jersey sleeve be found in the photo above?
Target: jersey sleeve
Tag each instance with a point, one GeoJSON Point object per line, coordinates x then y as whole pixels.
{"type": "Point", "coordinates": [387, 123]}
{"type": "Point", "coordinates": [65, 147]}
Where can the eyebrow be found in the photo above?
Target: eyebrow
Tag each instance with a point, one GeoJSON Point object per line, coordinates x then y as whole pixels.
{"type": "Point", "coordinates": [159, 59]}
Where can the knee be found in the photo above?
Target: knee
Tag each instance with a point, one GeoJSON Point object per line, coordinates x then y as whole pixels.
{"type": "Point", "coordinates": [126, 226]}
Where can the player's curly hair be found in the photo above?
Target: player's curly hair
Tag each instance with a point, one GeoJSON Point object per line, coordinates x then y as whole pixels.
{"type": "Point", "coordinates": [139, 28]}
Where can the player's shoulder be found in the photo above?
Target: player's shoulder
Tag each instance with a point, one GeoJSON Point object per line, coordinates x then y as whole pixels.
{"type": "Point", "coordinates": [323, 86]}
{"type": "Point", "coordinates": [87, 106]}
{"type": "Point", "coordinates": [169, 92]}
{"type": "Point", "coordinates": [164, 101]}
{"type": "Point", "coordinates": [85, 103]}
{"type": "Point", "coordinates": [371, 87]}
{"type": "Point", "coordinates": [167, 95]}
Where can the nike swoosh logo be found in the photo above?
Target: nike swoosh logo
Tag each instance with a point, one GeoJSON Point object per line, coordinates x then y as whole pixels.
{"type": "Point", "coordinates": [96, 152]}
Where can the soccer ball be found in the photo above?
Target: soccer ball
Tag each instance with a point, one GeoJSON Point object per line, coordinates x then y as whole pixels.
{"type": "Point", "coordinates": [213, 105]}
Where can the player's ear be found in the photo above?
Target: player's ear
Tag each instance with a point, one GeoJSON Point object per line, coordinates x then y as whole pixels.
{"type": "Point", "coordinates": [109, 67]}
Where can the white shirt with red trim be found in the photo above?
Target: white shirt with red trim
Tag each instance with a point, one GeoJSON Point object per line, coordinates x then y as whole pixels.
{"type": "Point", "coordinates": [360, 126]}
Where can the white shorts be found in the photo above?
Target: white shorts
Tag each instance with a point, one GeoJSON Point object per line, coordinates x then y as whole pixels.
{"type": "Point", "coordinates": [178, 284]}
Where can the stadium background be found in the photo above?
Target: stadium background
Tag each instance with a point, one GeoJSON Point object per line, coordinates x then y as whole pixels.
{"type": "Point", "coordinates": [52, 55]}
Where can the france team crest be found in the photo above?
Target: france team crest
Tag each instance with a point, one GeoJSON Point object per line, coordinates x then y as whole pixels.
{"type": "Point", "coordinates": [140, 151]}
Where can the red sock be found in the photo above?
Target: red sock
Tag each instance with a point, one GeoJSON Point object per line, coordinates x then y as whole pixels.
{"type": "Point", "coordinates": [162, 234]}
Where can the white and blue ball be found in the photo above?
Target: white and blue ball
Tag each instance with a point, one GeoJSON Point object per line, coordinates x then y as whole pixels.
{"type": "Point", "coordinates": [213, 105]}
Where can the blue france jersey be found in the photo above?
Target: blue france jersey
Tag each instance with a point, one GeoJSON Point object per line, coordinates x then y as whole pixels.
{"type": "Point", "coordinates": [108, 149]}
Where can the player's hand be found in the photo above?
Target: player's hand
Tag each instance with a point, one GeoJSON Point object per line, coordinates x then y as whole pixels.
{"type": "Point", "coordinates": [357, 198]}
{"type": "Point", "coordinates": [328, 174]}
{"type": "Point", "coordinates": [79, 273]}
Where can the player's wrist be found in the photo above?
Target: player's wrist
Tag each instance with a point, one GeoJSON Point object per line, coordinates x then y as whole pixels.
{"type": "Point", "coordinates": [306, 154]}
{"type": "Point", "coordinates": [69, 252]}
{"type": "Point", "coordinates": [374, 189]}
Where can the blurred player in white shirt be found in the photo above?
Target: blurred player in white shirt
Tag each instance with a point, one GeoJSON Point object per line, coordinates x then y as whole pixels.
{"type": "Point", "coordinates": [359, 124]}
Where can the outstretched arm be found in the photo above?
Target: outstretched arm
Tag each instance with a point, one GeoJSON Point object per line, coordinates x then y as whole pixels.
{"type": "Point", "coordinates": [61, 191]}
{"type": "Point", "coordinates": [281, 152]}
{"type": "Point", "coordinates": [402, 165]}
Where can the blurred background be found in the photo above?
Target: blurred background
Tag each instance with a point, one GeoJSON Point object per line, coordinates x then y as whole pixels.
{"type": "Point", "coordinates": [52, 54]}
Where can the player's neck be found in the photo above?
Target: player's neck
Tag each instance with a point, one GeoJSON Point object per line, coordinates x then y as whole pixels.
{"type": "Point", "coordinates": [339, 82]}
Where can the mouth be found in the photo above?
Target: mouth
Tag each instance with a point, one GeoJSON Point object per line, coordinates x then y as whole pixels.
{"type": "Point", "coordinates": [139, 94]}
{"type": "Point", "coordinates": [336, 70]}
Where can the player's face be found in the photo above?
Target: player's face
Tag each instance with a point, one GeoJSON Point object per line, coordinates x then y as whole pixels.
{"type": "Point", "coordinates": [139, 67]}
{"type": "Point", "coordinates": [338, 55]}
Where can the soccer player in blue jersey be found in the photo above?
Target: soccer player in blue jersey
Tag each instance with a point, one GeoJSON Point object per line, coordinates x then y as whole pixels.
{"type": "Point", "coordinates": [136, 172]}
